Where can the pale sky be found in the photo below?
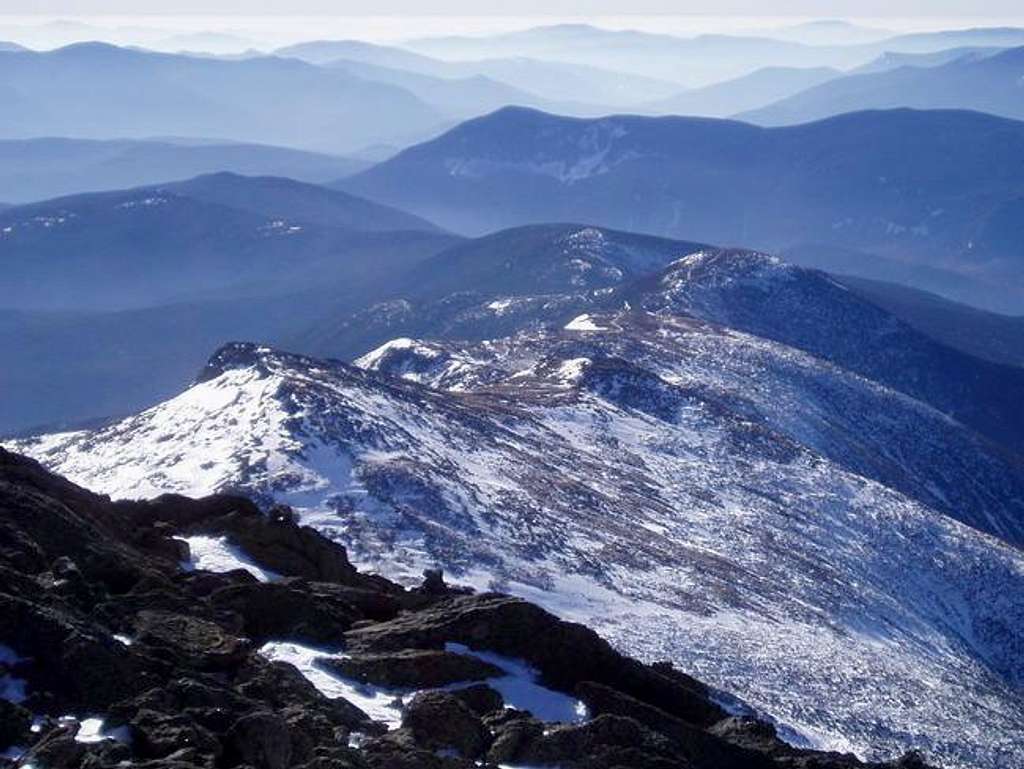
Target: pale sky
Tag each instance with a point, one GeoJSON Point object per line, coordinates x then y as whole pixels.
{"type": "Point", "coordinates": [819, 8]}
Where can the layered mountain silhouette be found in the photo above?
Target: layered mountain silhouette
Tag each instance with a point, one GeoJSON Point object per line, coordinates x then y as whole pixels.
{"type": "Point", "coordinates": [555, 81]}
{"type": "Point", "coordinates": [986, 83]}
{"type": "Point", "coordinates": [93, 90]}
{"type": "Point", "coordinates": [704, 59]}
{"type": "Point", "coordinates": [40, 169]}
{"type": "Point", "coordinates": [758, 89]}
{"type": "Point", "coordinates": [217, 234]}
{"type": "Point", "coordinates": [936, 189]}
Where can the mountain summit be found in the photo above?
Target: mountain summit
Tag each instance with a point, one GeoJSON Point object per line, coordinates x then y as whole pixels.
{"type": "Point", "coordinates": [634, 465]}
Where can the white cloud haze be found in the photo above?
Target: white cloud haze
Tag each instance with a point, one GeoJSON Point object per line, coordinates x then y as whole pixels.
{"type": "Point", "coordinates": [977, 8]}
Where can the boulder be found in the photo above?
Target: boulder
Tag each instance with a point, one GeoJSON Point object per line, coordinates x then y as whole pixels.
{"type": "Point", "coordinates": [157, 734]}
{"type": "Point", "coordinates": [71, 661]}
{"type": "Point", "coordinates": [261, 740]}
{"type": "Point", "coordinates": [190, 641]}
{"type": "Point", "coordinates": [56, 750]}
{"type": "Point", "coordinates": [698, 746]}
{"type": "Point", "coordinates": [372, 603]}
{"type": "Point", "coordinates": [282, 687]}
{"type": "Point", "coordinates": [514, 732]}
{"type": "Point", "coordinates": [480, 698]}
{"type": "Point", "coordinates": [439, 720]}
{"type": "Point", "coordinates": [288, 610]}
{"type": "Point", "coordinates": [15, 724]}
{"type": "Point", "coordinates": [398, 749]}
{"type": "Point", "coordinates": [413, 668]}
{"type": "Point", "coordinates": [595, 742]}
{"type": "Point", "coordinates": [565, 653]}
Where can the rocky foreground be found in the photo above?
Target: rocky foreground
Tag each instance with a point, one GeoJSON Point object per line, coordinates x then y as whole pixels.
{"type": "Point", "coordinates": [114, 651]}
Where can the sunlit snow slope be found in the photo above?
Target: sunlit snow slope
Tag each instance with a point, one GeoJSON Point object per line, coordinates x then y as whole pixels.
{"type": "Point", "coordinates": [691, 491]}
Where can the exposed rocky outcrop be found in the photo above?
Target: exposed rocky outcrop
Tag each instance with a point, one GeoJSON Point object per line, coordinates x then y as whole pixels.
{"type": "Point", "coordinates": [99, 620]}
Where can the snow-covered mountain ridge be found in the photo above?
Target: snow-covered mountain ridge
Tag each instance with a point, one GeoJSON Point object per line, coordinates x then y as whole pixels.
{"type": "Point", "coordinates": [695, 492]}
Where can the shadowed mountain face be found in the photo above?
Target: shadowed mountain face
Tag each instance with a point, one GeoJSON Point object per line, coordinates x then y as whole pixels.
{"type": "Point", "coordinates": [217, 235]}
{"type": "Point", "coordinates": [40, 169]}
{"type": "Point", "coordinates": [986, 83]}
{"type": "Point", "coordinates": [111, 300]}
{"type": "Point", "coordinates": [936, 189]}
{"type": "Point", "coordinates": [993, 294]}
{"type": "Point", "coordinates": [988, 335]}
{"type": "Point", "coordinates": [496, 285]}
{"type": "Point", "coordinates": [99, 91]}
{"type": "Point", "coordinates": [810, 311]}
{"type": "Point", "coordinates": [299, 202]}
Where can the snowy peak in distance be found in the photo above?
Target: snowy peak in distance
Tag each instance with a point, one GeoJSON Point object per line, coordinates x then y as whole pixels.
{"type": "Point", "coordinates": [499, 284]}
{"type": "Point", "coordinates": [544, 259]}
{"type": "Point", "coordinates": [811, 311]}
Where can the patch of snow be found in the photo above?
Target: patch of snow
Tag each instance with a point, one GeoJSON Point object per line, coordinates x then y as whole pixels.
{"type": "Point", "coordinates": [217, 554]}
{"type": "Point", "coordinates": [520, 688]}
{"type": "Point", "coordinates": [144, 202]}
{"type": "Point", "coordinates": [571, 370]}
{"type": "Point", "coordinates": [583, 323]}
{"type": "Point", "coordinates": [91, 730]}
{"type": "Point", "coordinates": [500, 306]}
{"type": "Point", "coordinates": [378, 703]}
{"type": "Point", "coordinates": [373, 359]}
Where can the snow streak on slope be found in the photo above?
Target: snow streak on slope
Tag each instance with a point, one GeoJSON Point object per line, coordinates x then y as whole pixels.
{"type": "Point", "coordinates": [677, 485]}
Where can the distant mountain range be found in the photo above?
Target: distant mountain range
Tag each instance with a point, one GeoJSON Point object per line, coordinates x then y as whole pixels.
{"type": "Point", "coordinates": [893, 60]}
{"type": "Point", "coordinates": [98, 91]}
{"type": "Point", "coordinates": [987, 83]}
{"type": "Point", "coordinates": [94, 325]}
{"type": "Point", "coordinates": [830, 32]}
{"type": "Point", "coordinates": [701, 60]}
{"type": "Point", "coordinates": [343, 97]}
{"type": "Point", "coordinates": [936, 189]}
{"type": "Point", "coordinates": [758, 89]}
{"type": "Point", "coordinates": [707, 385]}
{"type": "Point", "coordinates": [39, 169]}
{"type": "Point", "coordinates": [554, 81]}
{"type": "Point", "coordinates": [222, 235]}
{"type": "Point", "coordinates": [690, 62]}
